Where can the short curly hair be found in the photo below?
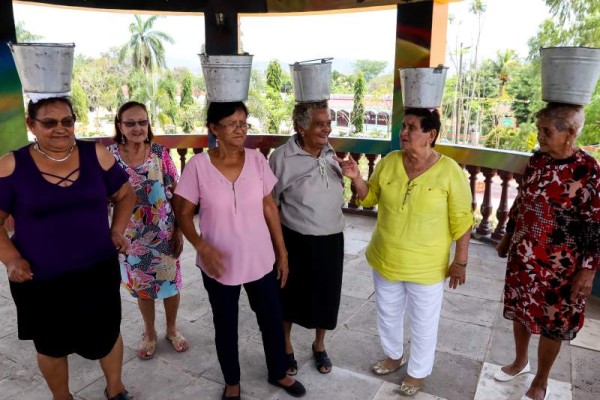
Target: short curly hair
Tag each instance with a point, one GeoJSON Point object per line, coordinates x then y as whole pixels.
{"type": "Point", "coordinates": [302, 114]}
{"type": "Point", "coordinates": [564, 116]}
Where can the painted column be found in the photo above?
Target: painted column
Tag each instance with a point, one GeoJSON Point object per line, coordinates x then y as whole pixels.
{"type": "Point", "coordinates": [420, 42]}
{"type": "Point", "coordinates": [13, 133]}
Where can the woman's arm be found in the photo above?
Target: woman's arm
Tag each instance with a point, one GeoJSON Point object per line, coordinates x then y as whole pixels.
{"type": "Point", "coordinates": [458, 269]}
{"type": "Point", "coordinates": [271, 214]}
{"type": "Point", "coordinates": [17, 267]}
{"type": "Point", "coordinates": [350, 170]}
{"type": "Point", "coordinates": [123, 203]}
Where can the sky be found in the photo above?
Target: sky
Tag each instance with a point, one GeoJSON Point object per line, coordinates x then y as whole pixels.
{"type": "Point", "coordinates": [346, 37]}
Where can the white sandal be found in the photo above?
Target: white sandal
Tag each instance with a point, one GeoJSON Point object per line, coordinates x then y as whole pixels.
{"type": "Point", "coordinates": [380, 369]}
{"type": "Point", "coordinates": [502, 376]}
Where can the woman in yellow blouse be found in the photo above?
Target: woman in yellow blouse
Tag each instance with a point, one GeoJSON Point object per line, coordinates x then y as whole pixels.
{"type": "Point", "coordinates": [424, 205]}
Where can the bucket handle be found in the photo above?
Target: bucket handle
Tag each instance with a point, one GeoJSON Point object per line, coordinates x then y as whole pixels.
{"type": "Point", "coordinates": [323, 60]}
{"type": "Point", "coordinates": [439, 69]}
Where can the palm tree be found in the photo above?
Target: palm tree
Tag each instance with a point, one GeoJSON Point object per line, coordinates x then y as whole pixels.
{"type": "Point", "coordinates": [502, 65]}
{"type": "Point", "coordinates": [145, 47]}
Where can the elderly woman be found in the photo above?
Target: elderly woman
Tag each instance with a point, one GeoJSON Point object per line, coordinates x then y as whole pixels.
{"type": "Point", "coordinates": [310, 194]}
{"type": "Point", "coordinates": [424, 205]}
{"type": "Point", "coordinates": [552, 243]}
{"type": "Point", "coordinates": [151, 269]}
{"type": "Point", "coordinates": [62, 260]}
{"type": "Point", "coordinates": [240, 241]}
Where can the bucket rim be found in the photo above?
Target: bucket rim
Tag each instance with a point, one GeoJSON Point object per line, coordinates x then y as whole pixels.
{"type": "Point", "coordinates": [569, 47]}
{"type": "Point", "coordinates": [314, 61]}
{"type": "Point", "coordinates": [424, 68]}
{"type": "Point", "coordinates": [37, 44]}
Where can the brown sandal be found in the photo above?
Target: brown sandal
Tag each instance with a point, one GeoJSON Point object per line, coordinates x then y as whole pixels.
{"type": "Point", "coordinates": [146, 349]}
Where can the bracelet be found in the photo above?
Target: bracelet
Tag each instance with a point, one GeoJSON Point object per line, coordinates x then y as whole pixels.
{"type": "Point", "coordinates": [460, 264]}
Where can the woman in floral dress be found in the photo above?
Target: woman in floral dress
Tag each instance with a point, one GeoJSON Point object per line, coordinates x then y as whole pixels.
{"type": "Point", "coordinates": [151, 268]}
{"type": "Point", "coordinates": [552, 243]}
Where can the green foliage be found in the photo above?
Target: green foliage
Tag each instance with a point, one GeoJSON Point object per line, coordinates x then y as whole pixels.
{"type": "Point", "coordinates": [189, 116]}
{"type": "Point", "coordinates": [274, 101]}
{"type": "Point", "coordinates": [145, 48]}
{"type": "Point", "coordinates": [24, 35]}
{"type": "Point", "coordinates": [186, 91]}
{"type": "Point", "coordinates": [358, 110]}
{"type": "Point", "coordinates": [341, 83]}
{"type": "Point", "coordinates": [525, 88]}
{"type": "Point", "coordinates": [517, 139]}
{"type": "Point", "coordinates": [369, 68]}
{"type": "Point", "coordinates": [274, 75]}
{"type": "Point", "coordinates": [140, 87]}
{"type": "Point", "coordinates": [80, 103]}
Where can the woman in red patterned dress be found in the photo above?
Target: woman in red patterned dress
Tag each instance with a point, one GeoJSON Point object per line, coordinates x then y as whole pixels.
{"type": "Point", "coordinates": [552, 244]}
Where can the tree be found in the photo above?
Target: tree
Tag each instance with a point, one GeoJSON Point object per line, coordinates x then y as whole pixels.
{"type": "Point", "coordinates": [369, 68]}
{"type": "Point", "coordinates": [145, 46]}
{"type": "Point", "coordinates": [24, 36]}
{"type": "Point", "coordinates": [358, 109]}
{"type": "Point", "coordinates": [80, 103]}
{"type": "Point", "coordinates": [341, 83]}
{"type": "Point", "coordinates": [274, 75]}
{"type": "Point", "coordinates": [504, 62]}
{"type": "Point", "coordinates": [186, 91]}
{"type": "Point", "coordinates": [274, 101]}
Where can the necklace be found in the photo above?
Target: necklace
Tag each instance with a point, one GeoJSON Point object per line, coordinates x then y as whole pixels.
{"type": "Point", "coordinates": [36, 146]}
{"type": "Point", "coordinates": [414, 169]}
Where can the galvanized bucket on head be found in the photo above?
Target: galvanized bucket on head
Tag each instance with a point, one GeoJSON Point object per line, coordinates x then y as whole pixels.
{"type": "Point", "coordinates": [44, 67]}
{"type": "Point", "coordinates": [423, 87]}
{"type": "Point", "coordinates": [569, 74]}
{"type": "Point", "coordinates": [312, 80]}
{"type": "Point", "coordinates": [227, 76]}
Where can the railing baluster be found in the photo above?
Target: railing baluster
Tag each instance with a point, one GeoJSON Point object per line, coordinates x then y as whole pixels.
{"type": "Point", "coordinates": [485, 227]}
{"type": "Point", "coordinates": [473, 172]}
{"type": "Point", "coordinates": [182, 153]}
{"type": "Point", "coordinates": [502, 212]}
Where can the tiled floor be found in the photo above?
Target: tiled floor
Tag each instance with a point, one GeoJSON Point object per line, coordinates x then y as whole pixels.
{"type": "Point", "coordinates": [474, 341]}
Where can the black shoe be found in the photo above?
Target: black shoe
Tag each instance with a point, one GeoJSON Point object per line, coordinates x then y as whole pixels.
{"type": "Point", "coordinates": [296, 389]}
{"type": "Point", "coordinates": [231, 398]}
{"type": "Point", "coordinates": [124, 395]}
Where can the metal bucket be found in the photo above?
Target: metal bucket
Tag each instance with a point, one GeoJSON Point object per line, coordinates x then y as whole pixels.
{"type": "Point", "coordinates": [312, 80]}
{"type": "Point", "coordinates": [423, 87]}
{"type": "Point", "coordinates": [44, 67]}
{"type": "Point", "coordinates": [569, 74]}
{"type": "Point", "coordinates": [227, 76]}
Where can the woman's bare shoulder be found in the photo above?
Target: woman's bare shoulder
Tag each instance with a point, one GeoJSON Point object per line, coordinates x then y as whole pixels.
{"type": "Point", "coordinates": [7, 164]}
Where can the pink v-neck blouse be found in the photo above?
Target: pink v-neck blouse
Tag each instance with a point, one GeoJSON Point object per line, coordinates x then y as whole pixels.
{"type": "Point", "coordinates": [231, 214]}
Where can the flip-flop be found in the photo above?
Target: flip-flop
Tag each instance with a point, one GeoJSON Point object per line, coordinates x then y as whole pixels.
{"type": "Point", "coordinates": [408, 390]}
{"type": "Point", "coordinates": [179, 342]}
{"type": "Point", "coordinates": [291, 364]}
{"type": "Point", "coordinates": [146, 349]}
{"type": "Point", "coordinates": [322, 361]}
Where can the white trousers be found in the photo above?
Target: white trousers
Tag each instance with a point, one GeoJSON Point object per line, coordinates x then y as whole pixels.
{"type": "Point", "coordinates": [423, 304]}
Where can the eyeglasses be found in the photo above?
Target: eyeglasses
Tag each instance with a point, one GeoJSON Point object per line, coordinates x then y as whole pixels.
{"type": "Point", "coordinates": [131, 124]}
{"type": "Point", "coordinates": [234, 125]}
{"type": "Point", "coordinates": [410, 186]}
{"type": "Point", "coordinates": [67, 122]}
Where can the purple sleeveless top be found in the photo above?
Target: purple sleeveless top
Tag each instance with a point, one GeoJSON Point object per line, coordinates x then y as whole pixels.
{"type": "Point", "coordinates": [61, 229]}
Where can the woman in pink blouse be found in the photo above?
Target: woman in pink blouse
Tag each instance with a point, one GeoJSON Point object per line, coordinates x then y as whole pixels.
{"type": "Point", "coordinates": [240, 242]}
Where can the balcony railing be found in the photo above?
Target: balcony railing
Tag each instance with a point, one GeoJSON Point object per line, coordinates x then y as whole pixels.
{"type": "Point", "coordinates": [490, 170]}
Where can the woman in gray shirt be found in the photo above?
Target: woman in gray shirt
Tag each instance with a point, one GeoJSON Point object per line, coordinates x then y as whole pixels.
{"type": "Point", "coordinates": [310, 195]}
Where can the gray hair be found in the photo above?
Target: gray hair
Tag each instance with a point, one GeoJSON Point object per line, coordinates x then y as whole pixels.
{"type": "Point", "coordinates": [564, 116]}
{"type": "Point", "coordinates": [302, 115]}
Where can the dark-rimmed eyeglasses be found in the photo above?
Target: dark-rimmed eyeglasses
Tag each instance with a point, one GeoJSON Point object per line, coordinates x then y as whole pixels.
{"type": "Point", "coordinates": [49, 123]}
{"type": "Point", "coordinates": [131, 124]}
{"type": "Point", "coordinates": [235, 125]}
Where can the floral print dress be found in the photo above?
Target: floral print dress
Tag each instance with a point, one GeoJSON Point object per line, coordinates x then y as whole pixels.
{"type": "Point", "coordinates": [149, 271]}
{"type": "Point", "coordinates": [556, 221]}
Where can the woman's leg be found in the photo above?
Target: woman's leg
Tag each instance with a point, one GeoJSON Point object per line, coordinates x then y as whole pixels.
{"type": "Point", "coordinates": [56, 373]}
{"type": "Point", "coordinates": [171, 306]}
{"type": "Point", "coordinates": [112, 366]}
{"type": "Point", "coordinates": [390, 300]}
{"type": "Point", "coordinates": [424, 304]}
{"type": "Point", "coordinates": [320, 339]}
{"type": "Point", "coordinates": [148, 312]}
{"type": "Point", "coordinates": [522, 337]}
{"type": "Point", "coordinates": [224, 303]}
{"type": "Point", "coordinates": [287, 331]}
{"type": "Point", "coordinates": [547, 352]}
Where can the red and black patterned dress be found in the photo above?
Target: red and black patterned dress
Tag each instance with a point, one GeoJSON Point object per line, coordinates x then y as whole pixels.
{"type": "Point", "coordinates": [556, 222]}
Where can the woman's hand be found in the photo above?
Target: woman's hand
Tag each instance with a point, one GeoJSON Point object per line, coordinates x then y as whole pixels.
{"type": "Point", "coordinates": [457, 273]}
{"type": "Point", "coordinates": [18, 270]}
{"type": "Point", "coordinates": [212, 259]}
{"type": "Point", "coordinates": [176, 243]}
{"type": "Point", "coordinates": [504, 245]}
{"type": "Point", "coordinates": [282, 268]}
{"type": "Point", "coordinates": [120, 242]}
{"type": "Point", "coordinates": [582, 284]}
{"type": "Point", "coordinates": [349, 167]}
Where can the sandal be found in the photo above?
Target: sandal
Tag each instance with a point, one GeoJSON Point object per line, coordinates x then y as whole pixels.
{"type": "Point", "coordinates": [146, 349]}
{"type": "Point", "coordinates": [291, 364]}
{"type": "Point", "coordinates": [179, 342]}
{"type": "Point", "coordinates": [322, 360]}
{"type": "Point", "coordinates": [381, 369]}
{"type": "Point", "coordinates": [408, 390]}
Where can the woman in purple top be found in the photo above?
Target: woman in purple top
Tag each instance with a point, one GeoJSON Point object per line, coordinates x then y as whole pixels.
{"type": "Point", "coordinates": [241, 239]}
{"type": "Point", "coordinates": [62, 261]}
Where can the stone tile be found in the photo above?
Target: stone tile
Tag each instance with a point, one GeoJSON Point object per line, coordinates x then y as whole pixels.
{"type": "Point", "coordinates": [194, 303]}
{"type": "Point", "coordinates": [469, 309]}
{"type": "Point", "coordinates": [588, 337]}
{"type": "Point", "coordinates": [82, 371]}
{"type": "Point", "coordinates": [585, 370]}
{"type": "Point", "coordinates": [579, 394]}
{"type": "Point", "coordinates": [201, 388]}
{"type": "Point", "coordinates": [20, 351]}
{"type": "Point", "coordinates": [4, 285]}
{"type": "Point", "coordinates": [8, 312]}
{"type": "Point", "coordinates": [358, 265]}
{"type": "Point", "coordinates": [467, 340]}
{"type": "Point", "coordinates": [339, 383]}
{"type": "Point", "coordinates": [358, 285]}
{"type": "Point", "coordinates": [348, 306]}
{"type": "Point", "coordinates": [502, 323]}
{"type": "Point", "coordinates": [24, 384]}
{"type": "Point", "coordinates": [480, 286]}
{"type": "Point", "coordinates": [489, 388]}
{"type": "Point", "coordinates": [501, 351]}
{"type": "Point", "coordinates": [390, 391]}
{"type": "Point", "coordinates": [353, 245]}
{"type": "Point", "coordinates": [365, 319]}
{"type": "Point", "coordinates": [454, 377]}
{"type": "Point", "coordinates": [8, 367]}
{"type": "Point", "coordinates": [592, 307]}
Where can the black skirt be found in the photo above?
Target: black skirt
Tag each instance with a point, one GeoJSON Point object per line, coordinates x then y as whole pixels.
{"type": "Point", "coordinates": [311, 297]}
{"type": "Point", "coordinates": [77, 312]}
